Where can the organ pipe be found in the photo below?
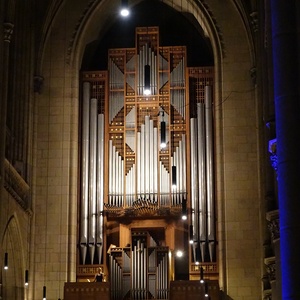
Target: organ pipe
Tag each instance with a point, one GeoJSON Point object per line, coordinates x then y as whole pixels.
{"type": "Point", "coordinates": [155, 158]}
{"type": "Point", "coordinates": [116, 81]}
{"type": "Point", "coordinates": [146, 161]}
{"type": "Point", "coordinates": [84, 170]}
{"type": "Point", "coordinates": [194, 176]}
{"type": "Point", "coordinates": [116, 171]}
{"type": "Point", "coordinates": [151, 160]}
{"type": "Point", "coordinates": [183, 175]}
{"type": "Point", "coordinates": [92, 177]}
{"type": "Point", "coordinates": [138, 166]}
{"type": "Point", "coordinates": [110, 171]}
{"type": "Point", "coordinates": [202, 177]}
{"type": "Point", "coordinates": [177, 79]}
{"type": "Point", "coordinates": [100, 185]}
{"type": "Point", "coordinates": [142, 160]}
{"type": "Point", "coordinates": [209, 166]}
{"type": "Point", "coordinates": [147, 155]}
{"type": "Point", "coordinates": [147, 68]}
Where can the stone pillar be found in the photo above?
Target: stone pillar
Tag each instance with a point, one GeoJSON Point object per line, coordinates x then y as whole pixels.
{"type": "Point", "coordinates": [287, 106]}
{"type": "Point", "coordinates": [8, 30]}
{"type": "Point", "coordinates": [273, 263]}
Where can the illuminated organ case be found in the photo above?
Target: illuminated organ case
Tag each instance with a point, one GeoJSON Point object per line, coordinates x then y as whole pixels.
{"type": "Point", "coordinates": [133, 189]}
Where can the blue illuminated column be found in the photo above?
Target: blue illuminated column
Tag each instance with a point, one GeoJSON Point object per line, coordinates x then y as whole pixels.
{"type": "Point", "coordinates": [285, 43]}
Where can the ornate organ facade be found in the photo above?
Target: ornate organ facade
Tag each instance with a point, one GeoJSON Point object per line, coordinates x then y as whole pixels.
{"type": "Point", "coordinates": [133, 190]}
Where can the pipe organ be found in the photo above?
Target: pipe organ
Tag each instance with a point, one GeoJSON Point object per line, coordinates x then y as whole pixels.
{"type": "Point", "coordinates": [126, 175]}
{"type": "Point", "coordinates": [140, 271]}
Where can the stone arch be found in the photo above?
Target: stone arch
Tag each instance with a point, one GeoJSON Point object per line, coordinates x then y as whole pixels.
{"type": "Point", "coordinates": [13, 278]}
{"type": "Point", "coordinates": [91, 17]}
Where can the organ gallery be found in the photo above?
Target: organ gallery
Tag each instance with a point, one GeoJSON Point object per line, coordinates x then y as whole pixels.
{"type": "Point", "coordinates": [147, 169]}
{"type": "Point", "coordinates": [149, 155]}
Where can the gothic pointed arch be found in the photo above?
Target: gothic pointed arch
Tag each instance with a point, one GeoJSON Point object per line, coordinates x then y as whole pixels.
{"type": "Point", "coordinates": [13, 278]}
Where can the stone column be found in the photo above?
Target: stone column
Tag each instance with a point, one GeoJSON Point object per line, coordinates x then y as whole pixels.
{"type": "Point", "coordinates": [273, 263]}
{"type": "Point", "coordinates": [8, 30]}
{"type": "Point", "coordinates": [287, 106]}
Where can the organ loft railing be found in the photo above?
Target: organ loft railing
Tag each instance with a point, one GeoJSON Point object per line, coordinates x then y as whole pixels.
{"type": "Point", "coordinates": [126, 175]}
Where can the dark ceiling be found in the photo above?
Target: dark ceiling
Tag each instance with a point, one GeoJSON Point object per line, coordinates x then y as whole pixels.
{"type": "Point", "coordinates": [176, 29]}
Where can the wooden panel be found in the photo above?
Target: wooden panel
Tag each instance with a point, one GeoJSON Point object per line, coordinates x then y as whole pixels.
{"type": "Point", "coordinates": [86, 291]}
{"type": "Point", "coordinates": [193, 289]}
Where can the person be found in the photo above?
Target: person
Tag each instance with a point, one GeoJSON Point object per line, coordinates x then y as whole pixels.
{"type": "Point", "coordinates": [99, 277]}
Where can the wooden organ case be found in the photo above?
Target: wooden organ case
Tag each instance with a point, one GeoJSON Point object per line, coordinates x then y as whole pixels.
{"type": "Point", "coordinates": [129, 211]}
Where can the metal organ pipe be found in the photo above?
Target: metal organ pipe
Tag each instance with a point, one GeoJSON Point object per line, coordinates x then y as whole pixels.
{"type": "Point", "coordinates": [116, 80]}
{"type": "Point", "coordinates": [147, 156]}
{"type": "Point", "coordinates": [147, 57]}
{"type": "Point", "coordinates": [164, 184]}
{"type": "Point", "coordinates": [93, 177]}
{"type": "Point", "coordinates": [179, 161]}
{"type": "Point", "coordinates": [138, 273]}
{"type": "Point", "coordinates": [146, 160]}
{"type": "Point", "coordinates": [142, 159]}
{"type": "Point", "coordinates": [209, 168]}
{"type": "Point", "coordinates": [145, 255]}
{"type": "Point", "coordinates": [174, 194]}
{"type": "Point", "coordinates": [151, 166]}
{"type": "Point", "coordinates": [194, 176]}
{"type": "Point", "coordinates": [138, 164]}
{"type": "Point", "coordinates": [155, 157]}
{"type": "Point", "coordinates": [183, 175]}
{"type": "Point", "coordinates": [202, 177]}
{"type": "Point", "coordinates": [84, 170]}
{"type": "Point", "coordinates": [177, 79]}
{"type": "Point", "coordinates": [100, 186]}
{"type": "Point", "coordinates": [162, 277]}
{"type": "Point", "coordinates": [116, 171]}
{"type": "Point", "coordinates": [115, 175]}
{"type": "Point", "coordinates": [110, 172]}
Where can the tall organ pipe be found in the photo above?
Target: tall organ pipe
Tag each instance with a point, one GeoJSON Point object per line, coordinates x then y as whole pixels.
{"type": "Point", "coordinates": [179, 171]}
{"type": "Point", "coordinates": [151, 161]}
{"type": "Point", "coordinates": [138, 164]}
{"type": "Point", "coordinates": [155, 167]}
{"type": "Point", "coordinates": [84, 170]}
{"type": "Point", "coordinates": [114, 175]}
{"type": "Point", "coordinates": [145, 255]}
{"type": "Point", "coordinates": [93, 177]}
{"type": "Point", "coordinates": [183, 165]}
{"type": "Point", "coordinates": [147, 156]}
{"type": "Point", "coordinates": [146, 160]}
{"type": "Point", "coordinates": [100, 186]}
{"type": "Point", "coordinates": [110, 172]}
{"type": "Point", "coordinates": [202, 177]}
{"type": "Point", "coordinates": [142, 159]}
{"type": "Point", "coordinates": [194, 176]}
{"type": "Point", "coordinates": [210, 173]}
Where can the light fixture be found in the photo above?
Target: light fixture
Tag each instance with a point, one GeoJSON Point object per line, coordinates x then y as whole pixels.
{"type": "Point", "coordinates": [44, 292]}
{"type": "Point", "coordinates": [26, 277]}
{"type": "Point", "coordinates": [5, 261]}
{"type": "Point", "coordinates": [147, 90]}
{"type": "Point", "coordinates": [206, 290]}
{"type": "Point", "coordinates": [191, 235]}
{"type": "Point", "coordinates": [184, 210]}
{"type": "Point", "coordinates": [163, 133]}
{"type": "Point", "coordinates": [201, 275]}
{"type": "Point", "coordinates": [124, 11]}
{"type": "Point", "coordinates": [179, 253]}
{"type": "Point", "coordinates": [174, 179]}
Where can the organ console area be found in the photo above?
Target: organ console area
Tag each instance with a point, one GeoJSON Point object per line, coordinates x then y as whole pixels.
{"type": "Point", "coordinates": [133, 189]}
